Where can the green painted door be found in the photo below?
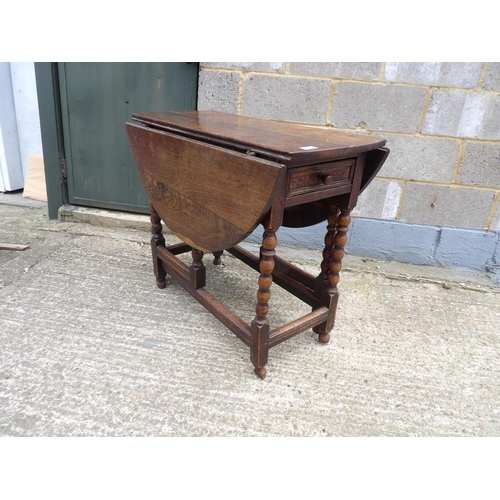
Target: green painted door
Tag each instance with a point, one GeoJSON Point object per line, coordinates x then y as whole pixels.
{"type": "Point", "coordinates": [96, 101]}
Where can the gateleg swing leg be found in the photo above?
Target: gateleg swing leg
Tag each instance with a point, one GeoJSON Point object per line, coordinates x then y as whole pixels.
{"type": "Point", "coordinates": [326, 282]}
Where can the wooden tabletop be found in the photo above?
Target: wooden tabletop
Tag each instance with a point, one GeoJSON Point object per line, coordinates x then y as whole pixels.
{"type": "Point", "coordinates": [287, 143]}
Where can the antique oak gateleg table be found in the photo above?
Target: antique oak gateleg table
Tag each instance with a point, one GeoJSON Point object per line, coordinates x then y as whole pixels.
{"type": "Point", "coordinates": [214, 177]}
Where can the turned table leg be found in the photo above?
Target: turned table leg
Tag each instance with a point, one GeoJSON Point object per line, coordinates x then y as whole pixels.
{"type": "Point", "coordinates": [259, 327]}
{"type": "Point", "coordinates": [331, 229]}
{"type": "Point", "coordinates": [157, 240]}
{"type": "Point", "coordinates": [326, 283]}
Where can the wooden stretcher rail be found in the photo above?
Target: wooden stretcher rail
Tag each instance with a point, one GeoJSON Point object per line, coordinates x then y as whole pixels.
{"type": "Point", "coordinates": [300, 325]}
{"type": "Point", "coordinates": [180, 272]}
{"type": "Point", "coordinates": [285, 275]}
{"type": "Point", "coordinates": [294, 272]}
{"type": "Point", "coordinates": [172, 263]}
{"type": "Point", "coordinates": [179, 248]}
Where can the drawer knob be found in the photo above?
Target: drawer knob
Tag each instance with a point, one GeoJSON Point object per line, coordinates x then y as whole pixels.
{"type": "Point", "coordinates": [327, 179]}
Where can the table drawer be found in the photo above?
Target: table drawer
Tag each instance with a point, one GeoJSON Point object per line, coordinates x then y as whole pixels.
{"type": "Point", "coordinates": [320, 177]}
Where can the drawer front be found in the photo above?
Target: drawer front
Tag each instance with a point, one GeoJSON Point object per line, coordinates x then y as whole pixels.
{"type": "Point", "coordinates": [320, 177]}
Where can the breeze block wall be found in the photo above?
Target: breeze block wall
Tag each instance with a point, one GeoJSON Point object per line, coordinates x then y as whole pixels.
{"type": "Point", "coordinates": [437, 198]}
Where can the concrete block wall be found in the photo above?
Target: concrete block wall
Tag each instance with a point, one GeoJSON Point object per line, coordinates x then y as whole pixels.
{"type": "Point", "coordinates": [441, 122]}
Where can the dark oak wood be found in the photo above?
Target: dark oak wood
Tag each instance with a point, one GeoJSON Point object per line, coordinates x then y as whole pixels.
{"type": "Point", "coordinates": [209, 197]}
{"type": "Point", "coordinates": [259, 328]}
{"type": "Point", "coordinates": [298, 326]}
{"type": "Point", "coordinates": [286, 275]}
{"type": "Point", "coordinates": [335, 241]}
{"type": "Point", "coordinates": [157, 240]}
{"type": "Point", "coordinates": [179, 248]}
{"type": "Point", "coordinates": [180, 272]}
{"type": "Point", "coordinates": [356, 182]}
{"type": "Point", "coordinates": [214, 177]}
{"type": "Point", "coordinates": [279, 141]}
{"type": "Point", "coordinates": [217, 257]}
{"type": "Point", "coordinates": [331, 229]}
{"type": "Point", "coordinates": [320, 177]}
{"type": "Point", "coordinates": [197, 271]}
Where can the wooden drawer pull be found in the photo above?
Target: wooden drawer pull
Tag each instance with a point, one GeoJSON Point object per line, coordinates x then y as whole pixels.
{"type": "Point", "coordinates": [327, 179]}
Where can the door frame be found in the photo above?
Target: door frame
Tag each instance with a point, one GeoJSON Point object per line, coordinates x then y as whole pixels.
{"type": "Point", "coordinates": [54, 157]}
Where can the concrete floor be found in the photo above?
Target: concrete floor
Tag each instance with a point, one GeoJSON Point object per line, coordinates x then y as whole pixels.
{"type": "Point", "coordinates": [91, 347]}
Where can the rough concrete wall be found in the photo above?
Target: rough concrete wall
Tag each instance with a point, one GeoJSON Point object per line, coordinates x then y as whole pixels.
{"type": "Point", "coordinates": [441, 122]}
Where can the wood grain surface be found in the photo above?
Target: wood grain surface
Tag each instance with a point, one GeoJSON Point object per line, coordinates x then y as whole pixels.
{"type": "Point", "coordinates": [209, 197]}
{"type": "Point", "coordinates": [288, 143]}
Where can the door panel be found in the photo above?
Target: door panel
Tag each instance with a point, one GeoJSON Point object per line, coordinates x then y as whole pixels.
{"type": "Point", "coordinates": [96, 100]}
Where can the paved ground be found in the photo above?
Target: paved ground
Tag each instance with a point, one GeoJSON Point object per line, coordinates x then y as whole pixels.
{"type": "Point", "coordinates": [90, 346]}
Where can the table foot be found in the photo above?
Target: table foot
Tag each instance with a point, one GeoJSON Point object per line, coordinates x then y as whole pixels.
{"type": "Point", "coordinates": [324, 338]}
{"type": "Point", "coordinates": [161, 284]}
{"type": "Point", "coordinates": [217, 256]}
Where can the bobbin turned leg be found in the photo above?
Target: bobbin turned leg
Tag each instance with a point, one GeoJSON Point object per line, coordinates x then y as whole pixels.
{"type": "Point", "coordinates": [261, 247]}
{"type": "Point", "coordinates": [259, 327]}
{"type": "Point", "coordinates": [327, 251]}
{"type": "Point", "coordinates": [217, 256]}
{"type": "Point", "coordinates": [326, 283]}
{"type": "Point", "coordinates": [157, 240]}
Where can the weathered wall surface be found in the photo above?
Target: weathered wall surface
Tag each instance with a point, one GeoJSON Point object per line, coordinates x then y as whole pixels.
{"type": "Point", "coordinates": [441, 122]}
